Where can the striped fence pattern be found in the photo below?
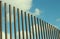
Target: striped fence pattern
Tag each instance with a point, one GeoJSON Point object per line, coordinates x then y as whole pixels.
{"type": "Point", "coordinates": [37, 28]}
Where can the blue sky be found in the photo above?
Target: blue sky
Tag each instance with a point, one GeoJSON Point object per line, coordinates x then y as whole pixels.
{"type": "Point", "coordinates": [50, 10]}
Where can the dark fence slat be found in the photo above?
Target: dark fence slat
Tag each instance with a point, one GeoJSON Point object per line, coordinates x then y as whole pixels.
{"type": "Point", "coordinates": [26, 26]}
{"type": "Point", "coordinates": [14, 22]}
{"type": "Point", "coordinates": [48, 29]}
{"type": "Point", "coordinates": [29, 25]}
{"type": "Point", "coordinates": [44, 29]}
{"type": "Point", "coordinates": [55, 33]}
{"type": "Point", "coordinates": [38, 28]}
{"type": "Point", "coordinates": [18, 22]}
{"type": "Point", "coordinates": [51, 32]}
{"type": "Point", "coordinates": [59, 34]}
{"type": "Point", "coordinates": [35, 27]}
{"type": "Point", "coordinates": [32, 25]}
{"type": "Point", "coordinates": [22, 24]}
{"type": "Point", "coordinates": [0, 21]}
{"type": "Point", "coordinates": [41, 28]}
{"type": "Point", "coordinates": [10, 22]}
{"type": "Point", "coordinates": [5, 21]}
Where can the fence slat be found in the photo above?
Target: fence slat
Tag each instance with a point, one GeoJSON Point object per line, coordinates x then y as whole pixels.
{"type": "Point", "coordinates": [22, 24]}
{"type": "Point", "coordinates": [0, 21]}
{"type": "Point", "coordinates": [42, 25]}
{"type": "Point", "coordinates": [35, 26]}
{"type": "Point", "coordinates": [14, 21]}
{"type": "Point", "coordinates": [53, 32]}
{"type": "Point", "coordinates": [32, 26]}
{"type": "Point", "coordinates": [29, 25]}
{"type": "Point", "coordinates": [10, 22]}
{"type": "Point", "coordinates": [45, 30]}
{"type": "Point", "coordinates": [18, 22]}
{"type": "Point", "coordinates": [59, 34]}
{"type": "Point", "coordinates": [48, 29]}
{"type": "Point", "coordinates": [38, 28]}
{"type": "Point", "coordinates": [41, 29]}
{"type": "Point", "coordinates": [26, 26]}
{"type": "Point", "coordinates": [5, 22]}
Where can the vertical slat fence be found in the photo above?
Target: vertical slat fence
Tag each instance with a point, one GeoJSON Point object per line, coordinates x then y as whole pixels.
{"type": "Point", "coordinates": [35, 28]}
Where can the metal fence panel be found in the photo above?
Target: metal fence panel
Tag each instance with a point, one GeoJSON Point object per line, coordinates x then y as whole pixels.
{"type": "Point", "coordinates": [35, 27]}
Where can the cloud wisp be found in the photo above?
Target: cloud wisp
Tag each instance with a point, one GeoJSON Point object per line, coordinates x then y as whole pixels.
{"type": "Point", "coordinates": [58, 20]}
{"type": "Point", "coordinates": [37, 12]}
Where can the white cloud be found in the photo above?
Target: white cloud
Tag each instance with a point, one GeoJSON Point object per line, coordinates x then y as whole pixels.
{"type": "Point", "coordinates": [58, 20]}
{"type": "Point", "coordinates": [21, 4]}
{"type": "Point", "coordinates": [36, 12]}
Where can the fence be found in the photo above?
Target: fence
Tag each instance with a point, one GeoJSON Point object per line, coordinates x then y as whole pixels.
{"type": "Point", "coordinates": [35, 28]}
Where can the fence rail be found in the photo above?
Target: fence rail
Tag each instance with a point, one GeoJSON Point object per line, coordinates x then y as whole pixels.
{"type": "Point", "coordinates": [35, 28]}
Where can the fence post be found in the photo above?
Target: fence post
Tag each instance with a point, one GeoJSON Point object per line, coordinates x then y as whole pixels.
{"type": "Point", "coordinates": [10, 22]}
{"type": "Point", "coordinates": [29, 25]}
{"type": "Point", "coordinates": [0, 22]}
{"type": "Point", "coordinates": [26, 25]}
{"type": "Point", "coordinates": [38, 28]}
{"type": "Point", "coordinates": [5, 21]}
{"type": "Point", "coordinates": [59, 34]}
{"type": "Point", "coordinates": [32, 22]}
{"type": "Point", "coordinates": [22, 18]}
{"type": "Point", "coordinates": [18, 22]}
{"type": "Point", "coordinates": [14, 21]}
{"type": "Point", "coordinates": [35, 26]}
